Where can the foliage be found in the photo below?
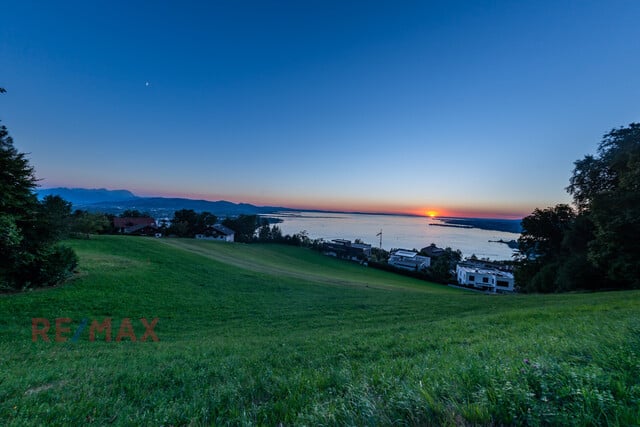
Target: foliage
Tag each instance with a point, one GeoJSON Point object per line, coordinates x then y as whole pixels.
{"type": "Point", "coordinates": [188, 223]}
{"type": "Point", "coordinates": [288, 336]}
{"type": "Point", "coordinates": [29, 230]}
{"type": "Point", "coordinates": [379, 255]}
{"type": "Point", "coordinates": [17, 181]}
{"type": "Point", "coordinates": [442, 266]}
{"type": "Point", "coordinates": [595, 247]}
{"type": "Point", "coordinates": [245, 227]}
{"type": "Point", "coordinates": [54, 218]}
{"type": "Point", "coordinates": [55, 265]}
{"type": "Point", "coordinates": [543, 231]}
{"type": "Point", "coordinates": [607, 189]}
{"type": "Point", "coordinates": [271, 234]}
{"type": "Point", "coordinates": [84, 223]}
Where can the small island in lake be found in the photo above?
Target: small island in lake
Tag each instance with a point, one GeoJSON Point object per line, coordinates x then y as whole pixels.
{"type": "Point", "coordinates": [513, 244]}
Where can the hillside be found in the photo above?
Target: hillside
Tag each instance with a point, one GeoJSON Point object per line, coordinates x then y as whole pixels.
{"type": "Point", "coordinates": [266, 334]}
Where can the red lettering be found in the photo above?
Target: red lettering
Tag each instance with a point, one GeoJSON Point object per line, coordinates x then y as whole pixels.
{"type": "Point", "coordinates": [59, 329]}
{"type": "Point", "coordinates": [126, 330]}
{"type": "Point", "coordinates": [96, 327]}
{"type": "Point", "coordinates": [41, 332]}
{"type": "Point", "coordinates": [149, 329]}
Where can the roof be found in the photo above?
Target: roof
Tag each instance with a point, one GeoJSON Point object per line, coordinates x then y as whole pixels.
{"type": "Point", "coordinates": [403, 253]}
{"type": "Point", "coordinates": [133, 221]}
{"type": "Point", "coordinates": [432, 250]}
{"type": "Point", "coordinates": [342, 242]}
{"type": "Point", "coordinates": [223, 230]}
{"type": "Point", "coordinates": [489, 271]}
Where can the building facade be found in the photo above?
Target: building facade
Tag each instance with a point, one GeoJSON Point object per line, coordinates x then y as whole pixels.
{"type": "Point", "coordinates": [409, 260]}
{"type": "Point", "coordinates": [486, 279]}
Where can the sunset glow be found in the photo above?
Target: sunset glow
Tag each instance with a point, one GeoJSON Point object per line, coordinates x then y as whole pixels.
{"type": "Point", "coordinates": [343, 103]}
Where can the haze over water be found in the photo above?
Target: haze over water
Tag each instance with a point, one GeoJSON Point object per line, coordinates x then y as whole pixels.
{"type": "Point", "coordinates": [406, 232]}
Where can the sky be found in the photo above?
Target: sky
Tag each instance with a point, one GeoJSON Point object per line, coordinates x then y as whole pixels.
{"type": "Point", "coordinates": [459, 108]}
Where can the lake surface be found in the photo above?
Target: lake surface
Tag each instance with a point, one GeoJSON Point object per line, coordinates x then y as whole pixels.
{"type": "Point", "coordinates": [406, 232]}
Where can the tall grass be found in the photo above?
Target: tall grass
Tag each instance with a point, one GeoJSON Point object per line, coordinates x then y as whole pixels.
{"type": "Point", "coordinates": [246, 338]}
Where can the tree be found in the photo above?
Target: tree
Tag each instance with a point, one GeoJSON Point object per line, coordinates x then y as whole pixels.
{"type": "Point", "coordinates": [596, 246]}
{"type": "Point", "coordinates": [183, 223]}
{"type": "Point", "coordinates": [245, 227]}
{"type": "Point", "coordinates": [188, 223]}
{"type": "Point", "coordinates": [84, 223]}
{"type": "Point", "coordinates": [276, 234]}
{"type": "Point", "coordinates": [606, 189]}
{"type": "Point", "coordinates": [204, 221]}
{"type": "Point", "coordinates": [264, 233]}
{"type": "Point", "coordinates": [541, 248]}
{"type": "Point", "coordinates": [18, 205]}
{"type": "Point", "coordinates": [543, 232]}
{"type": "Point", "coordinates": [17, 181]}
{"type": "Point", "coordinates": [28, 234]}
{"type": "Point", "coordinates": [54, 218]}
{"type": "Point", "coordinates": [441, 266]}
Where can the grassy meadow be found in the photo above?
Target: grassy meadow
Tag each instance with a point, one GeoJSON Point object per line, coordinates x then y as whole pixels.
{"type": "Point", "coordinates": [270, 335]}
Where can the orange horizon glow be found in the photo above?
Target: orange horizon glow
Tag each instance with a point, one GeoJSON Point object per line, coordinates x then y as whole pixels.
{"type": "Point", "coordinates": [360, 206]}
{"type": "Point", "coordinates": [370, 208]}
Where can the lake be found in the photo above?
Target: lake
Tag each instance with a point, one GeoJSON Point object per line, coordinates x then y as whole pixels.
{"type": "Point", "coordinates": [406, 232]}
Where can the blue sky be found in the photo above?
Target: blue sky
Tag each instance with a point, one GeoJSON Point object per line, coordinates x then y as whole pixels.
{"type": "Point", "coordinates": [462, 107]}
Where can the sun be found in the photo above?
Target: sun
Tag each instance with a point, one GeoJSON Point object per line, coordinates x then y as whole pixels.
{"type": "Point", "coordinates": [432, 214]}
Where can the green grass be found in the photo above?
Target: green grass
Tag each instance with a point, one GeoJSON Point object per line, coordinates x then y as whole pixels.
{"type": "Point", "coordinates": [265, 334]}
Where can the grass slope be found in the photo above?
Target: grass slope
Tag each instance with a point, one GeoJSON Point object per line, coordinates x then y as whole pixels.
{"type": "Point", "coordinates": [260, 334]}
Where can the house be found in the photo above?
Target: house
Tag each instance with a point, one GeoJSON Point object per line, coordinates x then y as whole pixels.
{"type": "Point", "coordinates": [408, 260]}
{"type": "Point", "coordinates": [142, 226]}
{"type": "Point", "coordinates": [487, 278]}
{"type": "Point", "coordinates": [487, 264]}
{"type": "Point", "coordinates": [345, 249]}
{"type": "Point", "coordinates": [432, 251]}
{"type": "Point", "coordinates": [218, 232]}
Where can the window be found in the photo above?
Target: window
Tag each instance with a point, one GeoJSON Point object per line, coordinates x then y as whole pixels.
{"type": "Point", "coordinates": [485, 280]}
{"type": "Point", "coordinates": [503, 283]}
{"type": "Point", "coordinates": [472, 278]}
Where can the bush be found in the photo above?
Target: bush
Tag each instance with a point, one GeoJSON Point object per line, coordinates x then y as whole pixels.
{"type": "Point", "coordinates": [59, 265]}
{"type": "Point", "coordinates": [48, 267]}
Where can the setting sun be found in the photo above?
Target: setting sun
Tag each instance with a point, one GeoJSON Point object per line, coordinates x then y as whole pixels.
{"type": "Point", "coordinates": [432, 214]}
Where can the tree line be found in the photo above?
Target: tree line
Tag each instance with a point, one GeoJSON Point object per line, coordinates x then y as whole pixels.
{"type": "Point", "coordinates": [594, 244]}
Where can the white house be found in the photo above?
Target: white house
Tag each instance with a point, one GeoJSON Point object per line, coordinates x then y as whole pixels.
{"type": "Point", "coordinates": [218, 232]}
{"type": "Point", "coordinates": [488, 279]}
{"type": "Point", "coordinates": [409, 260]}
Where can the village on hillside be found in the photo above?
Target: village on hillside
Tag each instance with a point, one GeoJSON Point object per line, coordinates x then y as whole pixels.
{"type": "Point", "coordinates": [475, 274]}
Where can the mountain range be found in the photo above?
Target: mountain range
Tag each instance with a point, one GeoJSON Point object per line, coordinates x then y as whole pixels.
{"type": "Point", "coordinates": [117, 201]}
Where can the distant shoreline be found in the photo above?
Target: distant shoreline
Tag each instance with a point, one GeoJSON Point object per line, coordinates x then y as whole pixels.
{"type": "Point", "coordinates": [492, 224]}
{"type": "Point", "coordinates": [452, 225]}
